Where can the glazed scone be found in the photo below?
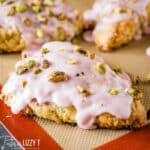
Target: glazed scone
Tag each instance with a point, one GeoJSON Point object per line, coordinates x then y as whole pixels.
{"type": "Point", "coordinates": [66, 83]}
{"type": "Point", "coordinates": [29, 24]}
{"type": "Point", "coordinates": [113, 23]}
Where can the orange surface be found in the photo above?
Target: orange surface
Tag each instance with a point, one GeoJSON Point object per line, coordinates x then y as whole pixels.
{"type": "Point", "coordinates": [135, 140]}
{"type": "Point", "coordinates": [26, 131]}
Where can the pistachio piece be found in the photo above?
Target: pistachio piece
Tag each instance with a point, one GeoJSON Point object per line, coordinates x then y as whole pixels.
{"type": "Point", "coordinates": [113, 92]}
{"type": "Point", "coordinates": [50, 13]}
{"type": "Point", "coordinates": [11, 11]}
{"type": "Point", "coordinates": [24, 55]}
{"type": "Point", "coordinates": [44, 51]}
{"type": "Point", "coordinates": [39, 33]}
{"type": "Point", "coordinates": [21, 8]}
{"type": "Point", "coordinates": [37, 2]}
{"type": "Point", "coordinates": [90, 55]}
{"type": "Point", "coordinates": [49, 2]}
{"type": "Point", "coordinates": [36, 71]}
{"type": "Point", "coordinates": [62, 16]}
{"type": "Point", "coordinates": [119, 10]}
{"type": "Point", "coordinates": [83, 91]}
{"type": "Point", "coordinates": [131, 91]}
{"type": "Point", "coordinates": [62, 35]}
{"type": "Point", "coordinates": [43, 19]}
{"type": "Point", "coordinates": [23, 83]}
{"type": "Point", "coordinates": [31, 64]}
{"type": "Point", "coordinates": [57, 76]}
{"type": "Point", "coordinates": [45, 64]}
{"type": "Point", "coordinates": [100, 68]}
{"type": "Point", "coordinates": [1, 1]}
{"type": "Point", "coordinates": [37, 8]}
{"type": "Point", "coordinates": [117, 69]}
{"type": "Point", "coordinates": [72, 60]}
{"type": "Point", "coordinates": [26, 21]}
{"type": "Point", "coordinates": [80, 50]}
{"type": "Point", "coordinates": [21, 69]}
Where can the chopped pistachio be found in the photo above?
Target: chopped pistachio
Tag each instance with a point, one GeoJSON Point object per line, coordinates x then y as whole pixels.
{"type": "Point", "coordinates": [117, 69]}
{"type": "Point", "coordinates": [100, 68]}
{"type": "Point", "coordinates": [75, 40]}
{"type": "Point", "coordinates": [119, 10]}
{"type": "Point", "coordinates": [26, 21]}
{"type": "Point", "coordinates": [37, 2]}
{"type": "Point", "coordinates": [57, 76]}
{"type": "Point", "coordinates": [43, 19]}
{"type": "Point", "coordinates": [39, 33]}
{"type": "Point", "coordinates": [11, 11]}
{"type": "Point", "coordinates": [129, 11]}
{"type": "Point", "coordinates": [21, 8]}
{"type": "Point", "coordinates": [37, 71]}
{"type": "Point", "coordinates": [21, 69]}
{"type": "Point", "coordinates": [31, 64]}
{"type": "Point", "coordinates": [80, 50]}
{"type": "Point", "coordinates": [45, 64]}
{"type": "Point", "coordinates": [62, 35]}
{"type": "Point", "coordinates": [90, 55]}
{"type": "Point", "coordinates": [1, 1]}
{"type": "Point", "coordinates": [23, 83]}
{"type": "Point", "coordinates": [72, 60]}
{"type": "Point", "coordinates": [24, 55]}
{"type": "Point", "coordinates": [113, 92]}
{"type": "Point", "coordinates": [62, 16]}
{"type": "Point", "coordinates": [50, 13]}
{"type": "Point", "coordinates": [131, 91]}
{"type": "Point", "coordinates": [44, 51]}
{"type": "Point", "coordinates": [83, 91]}
{"type": "Point", "coordinates": [37, 8]}
{"type": "Point", "coordinates": [49, 2]}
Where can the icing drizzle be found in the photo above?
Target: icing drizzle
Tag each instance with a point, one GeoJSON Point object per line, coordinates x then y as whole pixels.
{"type": "Point", "coordinates": [88, 84]}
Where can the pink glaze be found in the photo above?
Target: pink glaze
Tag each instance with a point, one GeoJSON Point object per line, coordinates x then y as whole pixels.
{"type": "Point", "coordinates": [65, 93]}
{"type": "Point", "coordinates": [49, 29]}
{"type": "Point", "coordinates": [103, 14]}
{"type": "Point", "coordinates": [148, 51]}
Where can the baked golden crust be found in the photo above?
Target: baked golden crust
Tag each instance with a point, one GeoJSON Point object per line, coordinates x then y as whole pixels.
{"type": "Point", "coordinates": [118, 34]}
{"type": "Point", "coordinates": [11, 40]}
{"type": "Point", "coordinates": [67, 115]}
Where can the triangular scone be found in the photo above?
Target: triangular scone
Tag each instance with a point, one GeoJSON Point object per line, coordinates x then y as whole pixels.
{"type": "Point", "coordinates": [114, 23]}
{"type": "Point", "coordinates": [66, 83]}
{"type": "Point", "coordinates": [31, 23]}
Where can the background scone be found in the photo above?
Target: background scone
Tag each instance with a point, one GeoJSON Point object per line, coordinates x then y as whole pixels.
{"type": "Point", "coordinates": [29, 24]}
{"type": "Point", "coordinates": [114, 23]}
{"type": "Point", "coordinates": [66, 83]}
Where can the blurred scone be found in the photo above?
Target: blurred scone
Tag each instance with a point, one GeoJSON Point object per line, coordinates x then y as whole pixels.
{"type": "Point", "coordinates": [66, 83]}
{"type": "Point", "coordinates": [114, 23]}
{"type": "Point", "coordinates": [29, 24]}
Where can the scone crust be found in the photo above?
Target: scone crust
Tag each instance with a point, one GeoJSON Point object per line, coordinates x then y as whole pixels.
{"type": "Point", "coordinates": [58, 114]}
{"type": "Point", "coordinates": [116, 35]}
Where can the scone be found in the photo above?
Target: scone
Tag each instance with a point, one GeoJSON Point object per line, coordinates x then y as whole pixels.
{"type": "Point", "coordinates": [66, 83]}
{"type": "Point", "coordinates": [29, 24]}
{"type": "Point", "coordinates": [113, 23]}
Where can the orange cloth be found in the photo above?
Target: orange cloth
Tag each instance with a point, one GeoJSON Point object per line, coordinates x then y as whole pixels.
{"type": "Point", "coordinates": [135, 140]}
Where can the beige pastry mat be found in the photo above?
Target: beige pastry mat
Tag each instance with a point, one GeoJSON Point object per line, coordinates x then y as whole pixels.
{"type": "Point", "coordinates": [131, 58]}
